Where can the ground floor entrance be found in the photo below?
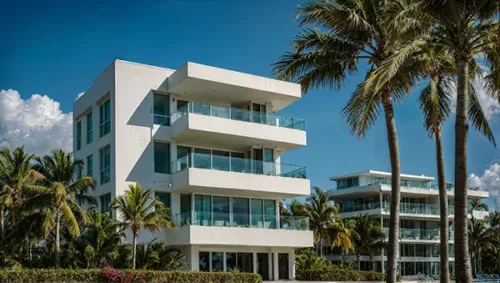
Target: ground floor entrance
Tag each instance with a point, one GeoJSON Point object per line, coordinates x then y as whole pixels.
{"type": "Point", "coordinates": [270, 263]}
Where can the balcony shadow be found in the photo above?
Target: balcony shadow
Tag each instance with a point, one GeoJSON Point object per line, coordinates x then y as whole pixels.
{"type": "Point", "coordinates": [143, 114]}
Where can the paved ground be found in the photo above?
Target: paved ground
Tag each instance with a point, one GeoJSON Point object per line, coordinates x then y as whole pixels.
{"type": "Point", "coordinates": [294, 281]}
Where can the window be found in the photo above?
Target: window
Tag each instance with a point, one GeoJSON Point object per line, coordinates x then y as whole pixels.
{"type": "Point", "coordinates": [90, 129]}
{"type": "Point", "coordinates": [230, 261]}
{"type": "Point", "coordinates": [104, 118]}
{"type": "Point", "coordinates": [105, 164]}
{"type": "Point", "coordinates": [221, 211]}
{"type": "Point", "coordinates": [164, 198]}
{"type": "Point", "coordinates": [203, 209]}
{"type": "Point", "coordinates": [241, 212]}
{"type": "Point", "coordinates": [348, 183]}
{"type": "Point", "coordinates": [162, 157]}
{"type": "Point", "coordinates": [217, 261]}
{"type": "Point", "coordinates": [161, 109]}
{"type": "Point", "coordinates": [78, 135]}
{"type": "Point", "coordinates": [204, 261]}
{"type": "Point", "coordinates": [90, 165]}
{"type": "Point", "coordinates": [105, 200]}
{"type": "Point", "coordinates": [78, 173]}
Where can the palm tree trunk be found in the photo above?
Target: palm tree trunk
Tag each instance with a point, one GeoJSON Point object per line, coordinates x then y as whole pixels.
{"type": "Point", "coordinates": [2, 223]}
{"type": "Point", "coordinates": [462, 260]}
{"type": "Point", "coordinates": [58, 241]}
{"type": "Point", "coordinates": [392, 138]}
{"type": "Point", "coordinates": [134, 248]}
{"type": "Point", "coordinates": [443, 204]}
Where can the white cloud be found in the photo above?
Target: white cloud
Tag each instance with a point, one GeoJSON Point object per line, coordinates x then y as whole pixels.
{"type": "Point", "coordinates": [80, 95]}
{"type": "Point", "coordinates": [489, 181]}
{"type": "Point", "coordinates": [490, 106]}
{"type": "Point", "coordinates": [38, 123]}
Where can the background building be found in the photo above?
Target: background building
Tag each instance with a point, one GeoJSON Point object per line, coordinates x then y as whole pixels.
{"type": "Point", "coordinates": [369, 193]}
{"type": "Point", "coordinates": [206, 141]}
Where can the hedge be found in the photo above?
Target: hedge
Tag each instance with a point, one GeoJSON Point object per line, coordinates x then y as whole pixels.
{"type": "Point", "coordinates": [115, 275]}
{"type": "Point", "coordinates": [339, 274]}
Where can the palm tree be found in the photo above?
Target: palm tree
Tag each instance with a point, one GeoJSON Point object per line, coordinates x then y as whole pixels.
{"type": "Point", "coordinates": [468, 31]}
{"type": "Point", "coordinates": [347, 33]}
{"type": "Point", "coordinates": [17, 178]}
{"type": "Point", "coordinates": [322, 215]}
{"type": "Point", "coordinates": [494, 222]}
{"type": "Point", "coordinates": [340, 235]}
{"type": "Point", "coordinates": [480, 239]}
{"type": "Point", "coordinates": [139, 210]}
{"type": "Point", "coordinates": [367, 236]}
{"type": "Point", "coordinates": [100, 237]}
{"type": "Point", "coordinates": [60, 200]}
{"type": "Point", "coordinates": [477, 205]}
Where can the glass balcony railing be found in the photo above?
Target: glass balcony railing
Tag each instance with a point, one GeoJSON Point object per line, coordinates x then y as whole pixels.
{"type": "Point", "coordinates": [202, 218]}
{"type": "Point", "coordinates": [359, 207]}
{"type": "Point", "coordinates": [419, 234]}
{"type": "Point", "coordinates": [239, 115]}
{"type": "Point", "coordinates": [162, 120]}
{"type": "Point", "coordinates": [417, 208]}
{"type": "Point", "coordinates": [240, 165]}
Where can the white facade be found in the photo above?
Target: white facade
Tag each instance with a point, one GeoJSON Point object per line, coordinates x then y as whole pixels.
{"type": "Point", "coordinates": [369, 193]}
{"type": "Point", "coordinates": [206, 141]}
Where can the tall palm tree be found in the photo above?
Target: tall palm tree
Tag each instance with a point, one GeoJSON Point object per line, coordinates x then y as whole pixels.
{"type": "Point", "coordinates": [322, 215]}
{"type": "Point", "coordinates": [16, 179]}
{"type": "Point", "coordinates": [340, 235]}
{"type": "Point", "coordinates": [60, 200]}
{"type": "Point", "coordinates": [140, 210]}
{"type": "Point", "coordinates": [480, 239]}
{"type": "Point", "coordinates": [467, 29]}
{"type": "Point", "coordinates": [367, 236]}
{"type": "Point", "coordinates": [345, 34]}
{"type": "Point", "coordinates": [494, 222]}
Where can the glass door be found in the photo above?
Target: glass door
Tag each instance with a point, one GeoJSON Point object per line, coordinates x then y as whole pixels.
{"type": "Point", "coordinates": [221, 211]}
{"type": "Point", "coordinates": [259, 113]}
{"type": "Point", "coordinates": [258, 158]}
{"type": "Point", "coordinates": [185, 210]}
{"type": "Point", "coordinates": [203, 210]}
{"type": "Point", "coordinates": [257, 216]}
{"type": "Point", "coordinates": [263, 265]}
{"type": "Point", "coordinates": [183, 153]}
{"type": "Point", "coordinates": [283, 266]}
{"type": "Point", "coordinates": [268, 165]}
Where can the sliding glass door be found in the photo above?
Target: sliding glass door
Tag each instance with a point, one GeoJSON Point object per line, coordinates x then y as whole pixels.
{"type": "Point", "coordinates": [203, 210]}
{"type": "Point", "coordinates": [221, 211]}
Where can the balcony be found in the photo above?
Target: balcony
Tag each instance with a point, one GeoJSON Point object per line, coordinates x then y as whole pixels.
{"type": "Point", "coordinates": [207, 228]}
{"type": "Point", "coordinates": [417, 208]}
{"type": "Point", "coordinates": [420, 234]}
{"type": "Point", "coordinates": [233, 128]}
{"type": "Point", "coordinates": [198, 172]}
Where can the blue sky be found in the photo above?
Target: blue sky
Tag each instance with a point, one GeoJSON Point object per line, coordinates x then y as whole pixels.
{"type": "Point", "coordinates": [57, 48]}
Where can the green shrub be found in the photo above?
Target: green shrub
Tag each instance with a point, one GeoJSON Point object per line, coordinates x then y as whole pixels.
{"type": "Point", "coordinates": [311, 267]}
{"type": "Point", "coordinates": [115, 275]}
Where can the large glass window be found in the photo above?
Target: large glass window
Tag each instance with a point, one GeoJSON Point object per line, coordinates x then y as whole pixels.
{"type": "Point", "coordinates": [217, 261]}
{"type": "Point", "coordinates": [90, 165]}
{"type": "Point", "coordinates": [257, 213]}
{"type": "Point", "coordinates": [105, 200]}
{"type": "Point", "coordinates": [104, 118]}
{"type": "Point", "coordinates": [203, 209]}
{"type": "Point", "coordinates": [221, 211]}
{"type": "Point", "coordinates": [164, 198]}
{"type": "Point", "coordinates": [202, 158]}
{"type": "Point", "coordinates": [245, 262]}
{"type": "Point", "coordinates": [241, 212]}
{"type": "Point", "coordinates": [105, 164]}
{"type": "Point", "coordinates": [230, 261]}
{"type": "Point", "coordinates": [184, 153]}
{"type": "Point", "coordinates": [162, 157]}
{"type": "Point", "coordinates": [90, 128]}
{"type": "Point", "coordinates": [348, 183]}
{"type": "Point", "coordinates": [161, 109]}
{"type": "Point", "coordinates": [78, 135]}
{"type": "Point", "coordinates": [204, 261]}
{"type": "Point", "coordinates": [270, 214]}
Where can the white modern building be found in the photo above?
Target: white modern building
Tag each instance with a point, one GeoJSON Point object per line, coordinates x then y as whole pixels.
{"type": "Point", "coordinates": [206, 141]}
{"type": "Point", "coordinates": [369, 193]}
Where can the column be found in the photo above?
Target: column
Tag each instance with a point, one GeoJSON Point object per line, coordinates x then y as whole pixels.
{"type": "Point", "coordinates": [224, 263]}
{"type": "Point", "coordinates": [254, 258]}
{"type": "Point", "coordinates": [195, 258]}
{"type": "Point", "coordinates": [173, 157]}
{"type": "Point", "coordinates": [277, 213]}
{"type": "Point", "coordinates": [277, 161]}
{"type": "Point", "coordinates": [291, 264]}
{"type": "Point", "coordinates": [270, 265]}
{"type": "Point", "coordinates": [275, 267]}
